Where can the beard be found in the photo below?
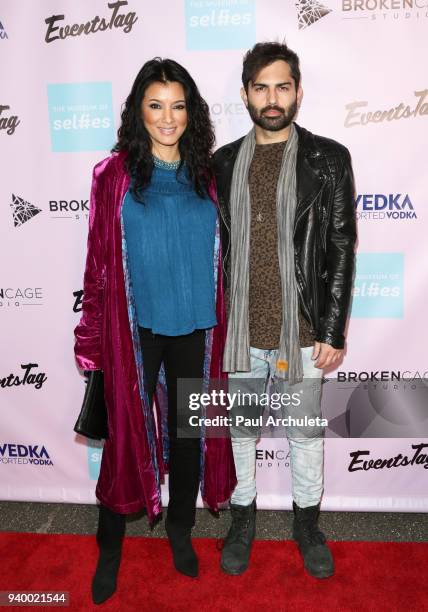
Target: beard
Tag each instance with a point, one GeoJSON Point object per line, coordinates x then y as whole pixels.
{"type": "Point", "coordinates": [273, 124]}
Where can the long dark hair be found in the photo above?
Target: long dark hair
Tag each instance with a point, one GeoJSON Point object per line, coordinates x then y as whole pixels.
{"type": "Point", "coordinates": [196, 143]}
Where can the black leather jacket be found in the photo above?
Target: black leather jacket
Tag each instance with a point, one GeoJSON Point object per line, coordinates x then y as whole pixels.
{"type": "Point", "coordinates": [324, 232]}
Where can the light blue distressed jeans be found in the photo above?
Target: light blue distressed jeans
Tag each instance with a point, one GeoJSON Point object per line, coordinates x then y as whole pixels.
{"type": "Point", "coordinates": [306, 451]}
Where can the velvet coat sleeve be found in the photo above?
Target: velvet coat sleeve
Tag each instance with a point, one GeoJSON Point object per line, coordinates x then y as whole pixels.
{"type": "Point", "coordinates": [88, 340]}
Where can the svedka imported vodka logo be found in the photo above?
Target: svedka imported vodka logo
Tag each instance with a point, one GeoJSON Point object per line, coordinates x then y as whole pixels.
{"type": "Point", "coordinates": [117, 19]}
{"type": "Point", "coordinates": [309, 12]}
{"type": "Point", "coordinates": [378, 286]}
{"type": "Point", "coordinates": [220, 24]}
{"type": "Point", "coordinates": [81, 116]}
{"type": "Point", "coordinates": [8, 122]}
{"type": "Point", "coordinates": [380, 206]}
{"type": "Point", "coordinates": [24, 454]}
{"type": "Point", "coordinates": [22, 210]}
{"type": "Point", "coordinates": [357, 115]}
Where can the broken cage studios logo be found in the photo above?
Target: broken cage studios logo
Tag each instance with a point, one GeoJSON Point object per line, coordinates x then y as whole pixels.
{"type": "Point", "coordinates": [11, 297]}
{"type": "Point", "coordinates": [309, 12]}
{"type": "Point", "coordinates": [22, 210]}
{"type": "Point", "coordinates": [69, 209]}
{"type": "Point", "coordinates": [384, 9]}
{"type": "Point", "coordinates": [377, 404]}
{"type": "Point", "coordinates": [272, 458]}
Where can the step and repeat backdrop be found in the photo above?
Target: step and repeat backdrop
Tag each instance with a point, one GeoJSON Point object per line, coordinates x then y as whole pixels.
{"type": "Point", "coordinates": [65, 70]}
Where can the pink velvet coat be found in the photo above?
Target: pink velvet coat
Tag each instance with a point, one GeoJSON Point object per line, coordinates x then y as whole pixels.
{"type": "Point", "coordinates": [135, 456]}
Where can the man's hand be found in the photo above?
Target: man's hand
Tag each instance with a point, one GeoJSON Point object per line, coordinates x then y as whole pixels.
{"type": "Point", "coordinates": [325, 355]}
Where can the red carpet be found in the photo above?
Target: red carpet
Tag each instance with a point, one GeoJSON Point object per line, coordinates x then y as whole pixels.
{"type": "Point", "coordinates": [370, 576]}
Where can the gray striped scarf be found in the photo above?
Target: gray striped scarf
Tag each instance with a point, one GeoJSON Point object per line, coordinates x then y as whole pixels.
{"type": "Point", "coordinates": [237, 349]}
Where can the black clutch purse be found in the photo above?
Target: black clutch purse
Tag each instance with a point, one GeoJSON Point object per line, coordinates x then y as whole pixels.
{"type": "Point", "coordinates": [92, 421]}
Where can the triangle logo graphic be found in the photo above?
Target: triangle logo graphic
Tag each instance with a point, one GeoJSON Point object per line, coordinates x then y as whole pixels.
{"type": "Point", "coordinates": [22, 211]}
{"type": "Point", "coordinates": [309, 12]}
{"type": "Point", "coordinates": [3, 33]}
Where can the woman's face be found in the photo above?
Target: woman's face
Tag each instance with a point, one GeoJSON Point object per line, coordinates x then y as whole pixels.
{"type": "Point", "coordinates": [164, 113]}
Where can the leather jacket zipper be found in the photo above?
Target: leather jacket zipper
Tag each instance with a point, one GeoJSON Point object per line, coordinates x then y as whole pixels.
{"type": "Point", "coordinates": [299, 275]}
{"type": "Point", "coordinates": [299, 284]}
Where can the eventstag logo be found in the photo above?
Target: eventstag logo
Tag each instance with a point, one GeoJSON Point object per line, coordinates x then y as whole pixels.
{"type": "Point", "coordinates": [124, 21]}
{"type": "Point", "coordinates": [355, 116]}
{"type": "Point", "coordinates": [78, 300]}
{"type": "Point", "coordinates": [418, 457]}
{"type": "Point", "coordinates": [29, 377]}
{"type": "Point", "coordinates": [8, 123]}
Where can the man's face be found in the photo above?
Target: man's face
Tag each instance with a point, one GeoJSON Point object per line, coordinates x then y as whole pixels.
{"type": "Point", "coordinates": [272, 99]}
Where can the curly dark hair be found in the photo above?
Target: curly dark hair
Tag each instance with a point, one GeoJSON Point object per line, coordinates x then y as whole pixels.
{"type": "Point", "coordinates": [195, 145]}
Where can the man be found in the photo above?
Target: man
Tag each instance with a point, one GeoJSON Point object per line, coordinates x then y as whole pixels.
{"type": "Point", "coordinates": [286, 200]}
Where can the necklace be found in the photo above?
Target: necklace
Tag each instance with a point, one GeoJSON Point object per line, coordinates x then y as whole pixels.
{"type": "Point", "coordinates": [160, 163]}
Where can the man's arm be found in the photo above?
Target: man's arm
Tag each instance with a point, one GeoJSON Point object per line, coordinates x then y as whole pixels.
{"type": "Point", "coordinates": [340, 260]}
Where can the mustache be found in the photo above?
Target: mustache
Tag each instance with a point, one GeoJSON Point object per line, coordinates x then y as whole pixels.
{"type": "Point", "coordinates": [272, 107]}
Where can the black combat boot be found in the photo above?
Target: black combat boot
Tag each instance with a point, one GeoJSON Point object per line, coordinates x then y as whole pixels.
{"type": "Point", "coordinates": [237, 544]}
{"type": "Point", "coordinates": [311, 541]}
{"type": "Point", "coordinates": [111, 530]}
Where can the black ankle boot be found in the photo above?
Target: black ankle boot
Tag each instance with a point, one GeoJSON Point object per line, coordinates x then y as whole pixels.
{"type": "Point", "coordinates": [111, 530]}
{"type": "Point", "coordinates": [316, 555]}
{"type": "Point", "coordinates": [237, 544]}
{"type": "Point", "coordinates": [185, 559]}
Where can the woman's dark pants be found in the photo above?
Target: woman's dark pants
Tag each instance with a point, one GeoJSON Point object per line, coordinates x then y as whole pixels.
{"type": "Point", "coordinates": [183, 357]}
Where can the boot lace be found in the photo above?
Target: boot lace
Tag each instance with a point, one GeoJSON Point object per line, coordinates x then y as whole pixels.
{"type": "Point", "coordinates": [310, 535]}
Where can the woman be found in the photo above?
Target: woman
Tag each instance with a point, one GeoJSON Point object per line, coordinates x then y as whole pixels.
{"type": "Point", "coordinates": [153, 312]}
